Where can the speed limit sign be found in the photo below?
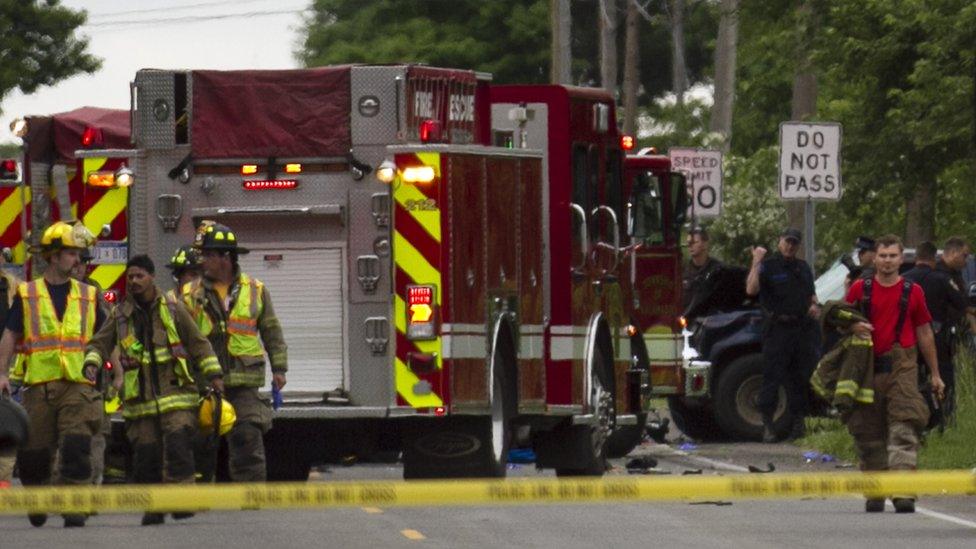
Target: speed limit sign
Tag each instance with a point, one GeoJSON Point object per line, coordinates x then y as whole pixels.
{"type": "Point", "coordinates": [703, 170]}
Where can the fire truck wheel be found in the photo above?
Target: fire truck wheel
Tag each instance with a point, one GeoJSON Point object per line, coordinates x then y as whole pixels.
{"type": "Point", "coordinates": [588, 443]}
{"type": "Point", "coordinates": [695, 422]}
{"type": "Point", "coordinates": [625, 438]}
{"type": "Point", "coordinates": [473, 446]}
{"type": "Point", "coordinates": [735, 400]}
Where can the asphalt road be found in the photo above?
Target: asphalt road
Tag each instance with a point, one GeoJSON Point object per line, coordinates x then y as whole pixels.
{"type": "Point", "coordinates": [941, 522]}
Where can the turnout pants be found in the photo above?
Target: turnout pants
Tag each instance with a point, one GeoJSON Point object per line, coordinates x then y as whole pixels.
{"type": "Point", "coordinates": [64, 416]}
{"type": "Point", "coordinates": [163, 447]}
{"type": "Point", "coordinates": [245, 442]}
{"type": "Point", "coordinates": [886, 432]}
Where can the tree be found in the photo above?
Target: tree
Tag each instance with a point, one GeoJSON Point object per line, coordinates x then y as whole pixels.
{"type": "Point", "coordinates": [679, 69]}
{"type": "Point", "coordinates": [608, 44]}
{"type": "Point", "coordinates": [725, 66]}
{"type": "Point", "coordinates": [631, 61]}
{"type": "Point", "coordinates": [38, 45]}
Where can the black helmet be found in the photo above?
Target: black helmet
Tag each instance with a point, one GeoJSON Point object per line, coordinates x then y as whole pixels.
{"type": "Point", "coordinates": [185, 257]}
{"type": "Point", "coordinates": [13, 423]}
{"type": "Point", "coordinates": [214, 236]}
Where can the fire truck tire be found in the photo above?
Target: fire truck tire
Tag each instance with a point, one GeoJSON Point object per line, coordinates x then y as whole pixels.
{"type": "Point", "coordinates": [695, 422]}
{"type": "Point", "coordinates": [469, 447]}
{"type": "Point", "coordinates": [625, 438]}
{"type": "Point", "coordinates": [735, 400]}
{"type": "Point", "coordinates": [285, 460]}
{"type": "Point", "coordinates": [588, 443]}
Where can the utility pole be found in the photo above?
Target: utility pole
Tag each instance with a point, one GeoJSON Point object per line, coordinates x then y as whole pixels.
{"type": "Point", "coordinates": [561, 23]}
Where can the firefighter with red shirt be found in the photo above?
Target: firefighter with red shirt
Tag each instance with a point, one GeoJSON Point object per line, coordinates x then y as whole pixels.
{"type": "Point", "coordinates": [887, 432]}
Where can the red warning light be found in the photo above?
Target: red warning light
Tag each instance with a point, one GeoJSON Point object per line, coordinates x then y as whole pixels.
{"type": "Point", "coordinates": [266, 185]}
{"type": "Point", "coordinates": [91, 136]}
{"type": "Point", "coordinates": [627, 142]}
{"type": "Point", "coordinates": [110, 296]}
{"type": "Point", "coordinates": [430, 130]}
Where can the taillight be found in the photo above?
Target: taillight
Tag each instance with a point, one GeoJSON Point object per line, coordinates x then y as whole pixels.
{"type": "Point", "coordinates": [274, 184]}
{"type": "Point", "coordinates": [421, 312]}
{"type": "Point", "coordinates": [430, 130]}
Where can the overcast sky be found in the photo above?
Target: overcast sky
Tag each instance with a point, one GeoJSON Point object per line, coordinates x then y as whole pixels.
{"type": "Point", "coordinates": [129, 35]}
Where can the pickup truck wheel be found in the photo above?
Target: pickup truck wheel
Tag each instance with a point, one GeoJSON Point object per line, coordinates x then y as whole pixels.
{"type": "Point", "coordinates": [695, 422]}
{"type": "Point", "coordinates": [736, 397]}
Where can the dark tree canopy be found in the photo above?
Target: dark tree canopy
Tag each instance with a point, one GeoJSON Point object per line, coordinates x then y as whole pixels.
{"type": "Point", "coordinates": [38, 45]}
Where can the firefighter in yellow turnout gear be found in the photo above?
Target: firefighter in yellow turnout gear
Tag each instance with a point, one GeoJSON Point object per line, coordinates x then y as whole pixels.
{"type": "Point", "coordinates": [160, 345]}
{"type": "Point", "coordinates": [234, 311]}
{"type": "Point", "coordinates": [53, 318]}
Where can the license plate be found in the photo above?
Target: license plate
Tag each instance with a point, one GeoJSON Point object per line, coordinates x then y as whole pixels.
{"type": "Point", "coordinates": [110, 252]}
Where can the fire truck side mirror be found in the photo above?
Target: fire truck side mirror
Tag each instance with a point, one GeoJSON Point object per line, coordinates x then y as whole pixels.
{"type": "Point", "coordinates": [679, 195]}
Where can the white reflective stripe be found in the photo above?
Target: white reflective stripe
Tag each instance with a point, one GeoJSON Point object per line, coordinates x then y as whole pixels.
{"type": "Point", "coordinates": [663, 346]}
{"type": "Point", "coordinates": [448, 328]}
{"type": "Point", "coordinates": [464, 346]}
{"type": "Point", "coordinates": [530, 346]}
{"type": "Point", "coordinates": [571, 330]}
{"type": "Point", "coordinates": [567, 348]}
{"type": "Point", "coordinates": [531, 329]}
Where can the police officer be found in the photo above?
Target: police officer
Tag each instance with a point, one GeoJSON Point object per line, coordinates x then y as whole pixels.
{"type": "Point", "coordinates": [234, 311]}
{"type": "Point", "coordinates": [161, 352]}
{"type": "Point", "coordinates": [784, 284]}
{"type": "Point", "coordinates": [866, 251]}
{"type": "Point", "coordinates": [54, 317]}
{"type": "Point", "coordinates": [699, 266]}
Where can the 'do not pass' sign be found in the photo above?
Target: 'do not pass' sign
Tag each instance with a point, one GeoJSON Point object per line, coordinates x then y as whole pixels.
{"type": "Point", "coordinates": [703, 170]}
{"type": "Point", "coordinates": [809, 161]}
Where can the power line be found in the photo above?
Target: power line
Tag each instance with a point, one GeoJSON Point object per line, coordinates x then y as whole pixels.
{"type": "Point", "coordinates": [172, 8]}
{"type": "Point", "coordinates": [190, 19]}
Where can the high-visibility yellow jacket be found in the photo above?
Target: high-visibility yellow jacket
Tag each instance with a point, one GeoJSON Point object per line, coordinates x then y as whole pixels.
{"type": "Point", "coordinates": [54, 349]}
{"type": "Point", "coordinates": [237, 334]}
{"type": "Point", "coordinates": [158, 374]}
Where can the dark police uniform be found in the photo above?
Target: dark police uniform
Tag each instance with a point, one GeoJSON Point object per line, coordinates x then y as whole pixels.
{"type": "Point", "coordinates": [694, 277]}
{"type": "Point", "coordinates": [947, 305]}
{"type": "Point", "coordinates": [790, 339]}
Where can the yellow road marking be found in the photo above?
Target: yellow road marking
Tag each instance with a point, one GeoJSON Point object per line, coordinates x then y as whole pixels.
{"type": "Point", "coordinates": [413, 534]}
{"type": "Point", "coordinates": [373, 510]}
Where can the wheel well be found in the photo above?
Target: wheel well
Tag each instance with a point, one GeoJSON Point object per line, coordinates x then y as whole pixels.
{"type": "Point", "coordinates": [506, 347]}
{"type": "Point", "coordinates": [733, 353]}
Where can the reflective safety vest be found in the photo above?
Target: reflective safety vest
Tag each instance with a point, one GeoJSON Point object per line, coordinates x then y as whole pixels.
{"type": "Point", "coordinates": [55, 349]}
{"type": "Point", "coordinates": [137, 358]}
{"type": "Point", "coordinates": [241, 327]}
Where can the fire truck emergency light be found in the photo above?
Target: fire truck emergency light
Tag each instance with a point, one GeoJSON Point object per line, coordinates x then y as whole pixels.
{"type": "Point", "coordinates": [386, 172]}
{"type": "Point", "coordinates": [293, 168]}
{"type": "Point", "coordinates": [101, 179]}
{"type": "Point", "coordinates": [430, 130]}
{"type": "Point", "coordinates": [124, 177]}
{"type": "Point", "coordinates": [249, 169]}
{"type": "Point", "coordinates": [418, 174]}
{"type": "Point", "coordinates": [420, 312]}
{"type": "Point", "coordinates": [269, 185]}
{"type": "Point", "coordinates": [19, 127]}
{"type": "Point", "coordinates": [627, 142]}
{"type": "Point", "coordinates": [8, 170]}
{"type": "Point", "coordinates": [91, 136]}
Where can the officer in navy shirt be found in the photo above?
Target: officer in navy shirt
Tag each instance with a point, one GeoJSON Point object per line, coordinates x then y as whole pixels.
{"type": "Point", "coordinates": [784, 284]}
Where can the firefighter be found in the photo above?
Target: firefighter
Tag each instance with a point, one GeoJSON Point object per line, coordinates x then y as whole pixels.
{"type": "Point", "coordinates": [234, 311]}
{"type": "Point", "coordinates": [53, 318]}
{"type": "Point", "coordinates": [159, 341]}
{"type": "Point", "coordinates": [186, 267]}
{"type": "Point", "coordinates": [8, 286]}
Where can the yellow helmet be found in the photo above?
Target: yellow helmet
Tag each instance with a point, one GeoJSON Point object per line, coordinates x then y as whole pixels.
{"type": "Point", "coordinates": [213, 407]}
{"type": "Point", "coordinates": [62, 234]}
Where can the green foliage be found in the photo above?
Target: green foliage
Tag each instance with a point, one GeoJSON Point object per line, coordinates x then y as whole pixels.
{"type": "Point", "coordinates": [38, 46]}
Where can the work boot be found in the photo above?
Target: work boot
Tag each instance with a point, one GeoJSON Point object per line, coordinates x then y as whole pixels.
{"type": "Point", "coordinates": [798, 429]}
{"type": "Point", "coordinates": [769, 435]}
{"type": "Point", "coordinates": [74, 521]}
{"type": "Point", "coordinates": [904, 505]}
{"type": "Point", "coordinates": [183, 516]}
{"type": "Point", "coordinates": [37, 519]}
{"type": "Point", "coordinates": [874, 505]}
{"type": "Point", "coordinates": [151, 519]}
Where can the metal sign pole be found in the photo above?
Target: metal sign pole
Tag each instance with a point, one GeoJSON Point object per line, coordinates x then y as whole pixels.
{"type": "Point", "coordinates": [809, 250]}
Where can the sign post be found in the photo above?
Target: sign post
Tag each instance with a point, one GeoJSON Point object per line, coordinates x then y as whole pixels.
{"type": "Point", "coordinates": [703, 170]}
{"type": "Point", "coordinates": [809, 169]}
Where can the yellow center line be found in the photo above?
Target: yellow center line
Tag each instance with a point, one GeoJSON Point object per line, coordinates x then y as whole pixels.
{"type": "Point", "coordinates": [373, 510]}
{"type": "Point", "coordinates": [413, 534]}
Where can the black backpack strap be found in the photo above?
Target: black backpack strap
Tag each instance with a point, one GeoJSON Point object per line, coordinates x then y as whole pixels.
{"type": "Point", "coordinates": [4, 304]}
{"type": "Point", "coordinates": [866, 298]}
{"type": "Point", "coordinates": [906, 293]}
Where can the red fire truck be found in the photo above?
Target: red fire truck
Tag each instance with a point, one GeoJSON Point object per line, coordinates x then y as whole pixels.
{"type": "Point", "coordinates": [455, 265]}
{"type": "Point", "coordinates": [50, 184]}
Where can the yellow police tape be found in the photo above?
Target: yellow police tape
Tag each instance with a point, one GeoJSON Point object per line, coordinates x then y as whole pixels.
{"type": "Point", "coordinates": [124, 498]}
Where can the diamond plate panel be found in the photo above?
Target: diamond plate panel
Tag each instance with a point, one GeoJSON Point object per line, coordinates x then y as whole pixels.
{"type": "Point", "coordinates": [366, 239]}
{"type": "Point", "coordinates": [370, 374]}
{"type": "Point", "coordinates": [375, 109]}
{"type": "Point", "coordinates": [154, 109]}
